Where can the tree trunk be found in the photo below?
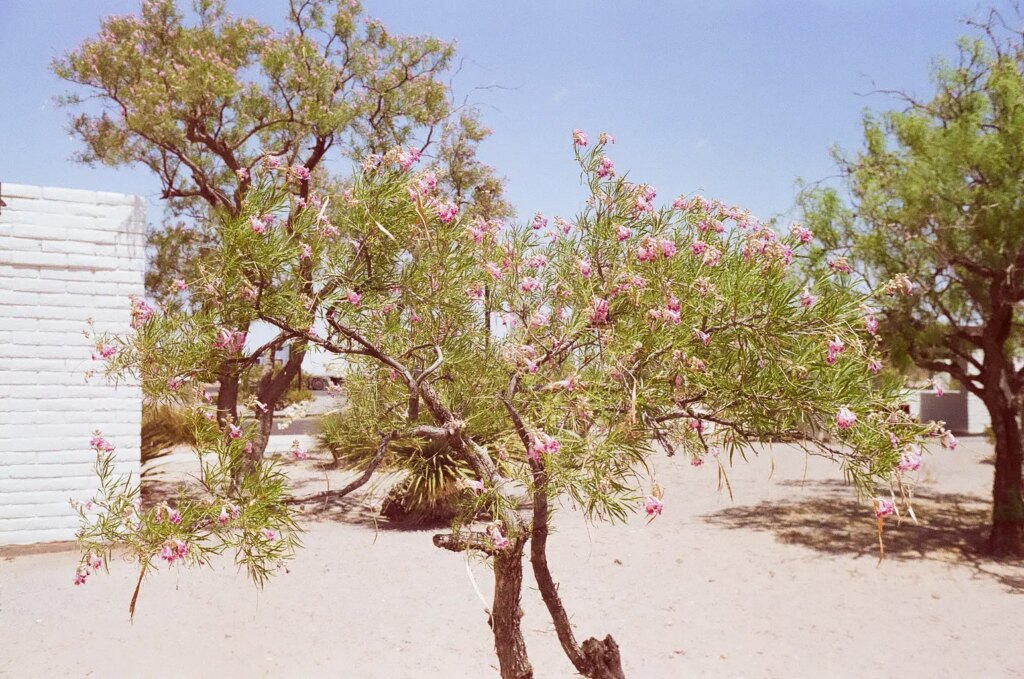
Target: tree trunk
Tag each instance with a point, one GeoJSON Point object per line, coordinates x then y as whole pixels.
{"type": "Point", "coordinates": [506, 613]}
{"type": "Point", "coordinates": [1007, 536]}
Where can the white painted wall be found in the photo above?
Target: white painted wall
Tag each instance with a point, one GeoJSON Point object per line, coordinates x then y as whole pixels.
{"type": "Point", "coordinates": [65, 256]}
{"type": "Point", "coordinates": [978, 419]}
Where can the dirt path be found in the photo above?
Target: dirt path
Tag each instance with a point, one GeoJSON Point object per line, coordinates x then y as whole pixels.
{"type": "Point", "coordinates": [781, 582]}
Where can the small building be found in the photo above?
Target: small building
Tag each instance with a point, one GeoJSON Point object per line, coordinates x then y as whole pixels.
{"type": "Point", "coordinates": [66, 257]}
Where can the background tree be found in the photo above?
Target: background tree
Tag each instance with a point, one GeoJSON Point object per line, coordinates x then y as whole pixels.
{"type": "Point", "coordinates": [935, 198]}
{"type": "Point", "coordinates": [630, 332]}
{"type": "Point", "coordinates": [201, 102]}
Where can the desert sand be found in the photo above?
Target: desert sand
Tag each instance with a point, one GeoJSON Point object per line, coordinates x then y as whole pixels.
{"type": "Point", "coordinates": [781, 581]}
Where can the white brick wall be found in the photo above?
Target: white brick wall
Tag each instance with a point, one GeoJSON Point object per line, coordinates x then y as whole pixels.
{"type": "Point", "coordinates": [65, 256]}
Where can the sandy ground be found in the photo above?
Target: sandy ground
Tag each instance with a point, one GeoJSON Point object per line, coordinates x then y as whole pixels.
{"type": "Point", "coordinates": [784, 581]}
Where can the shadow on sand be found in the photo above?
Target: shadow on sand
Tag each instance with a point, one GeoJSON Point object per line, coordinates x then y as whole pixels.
{"type": "Point", "coordinates": [952, 528]}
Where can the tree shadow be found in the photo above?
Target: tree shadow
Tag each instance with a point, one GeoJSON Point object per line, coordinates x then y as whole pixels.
{"type": "Point", "coordinates": [951, 528]}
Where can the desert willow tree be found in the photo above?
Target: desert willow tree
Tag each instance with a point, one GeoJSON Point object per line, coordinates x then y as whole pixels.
{"type": "Point", "coordinates": [199, 100]}
{"type": "Point", "coordinates": [935, 197]}
{"type": "Point", "coordinates": [630, 332]}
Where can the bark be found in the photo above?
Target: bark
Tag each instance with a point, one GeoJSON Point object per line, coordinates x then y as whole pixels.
{"type": "Point", "coordinates": [506, 613]}
{"type": "Point", "coordinates": [1007, 534]}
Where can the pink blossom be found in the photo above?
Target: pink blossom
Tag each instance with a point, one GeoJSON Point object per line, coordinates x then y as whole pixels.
{"type": "Point", "coordinates": [605, 138]}
{"type": "Point", "coordinates": [242, 173]}
{"type": "Point", "coordinates": [81, 573]}
{"type": "Point", "coordinates": [307, 251]}
{"type": "Point", "coordinates": [871, 324]}
{"type": "Point", "coordinates": [141, 312]}
{"type": "Point", "coordinates": [100, 444]}
{"type": "Point", "coordinates": [807, 300]}
{"type": "Point", "coordinates": [938, 389]}
{"type": "Point", "coordinates": [835, 347]}
{"type": "Point", "coordinates": [536, 262]}
{"type": "Point", "coordinates": [223, 517]}
{"type": "Point", "coordinates": [910, 461]}
{"type": "Point", "coordinates": [840, 264]}
{"type": "Point", "coordinates": [585, 269]}
{"type": "Point", "coordinates": [579, 138]}
{"type": "Point", "coordinates": [622, 233]}
{"type": "Point", "coordinates": [698, 247]}
{"type": "Point", "coordinates": [702, 337]}
{"type": "Point", "coordinates": [107, 350]}
{"type": "Point", "coordinates": [257, 225]}
{"type": "Point", "coordinates": [173, 550]}
{"type": "Point", "coordinates": [406, 159]}
{"type": "Point", "coordinates": [542, 444]}
{"type": "Point", "coordinates": [494, 270]}
{"type": "Point", "coordinates": [499, 540]}
{"type": "Point", "coordinates": [301, 172]}
{"type": "Point", "coordinates": [174, 516]}
{"type": "Point", "coordinates": [599, 311]}
{"type": "Point", "coordinates": [697, 461]}
{"type": "Point", "coordinates": [667, 248]}
{"type": "Point", "coordinates": [949, 441]}
{"type": "Point", "coordinates": [180, 285]}
{"type": "Point", "coordinates": [681, 203]}
{"type": "Point", "coordinates": [874, 366]}
{"type": "Point", "coordinates": [268, 534]}
{"type": "Point", "coordinates": [712, 256]}
{"type": "Point", "coordinates": [353, 297]}
{"type": "Point", "coordinates": [529, 284]}
{"type": "Point", "coordinates": [231, 340]}
{"type": "Point", "coordinates": [845, 418]}
{"type": "Point", "coordinates": [539, 222]}
{"type": "Point", "coordinates": [883, 507]}
{"type": "Point", "coordinates": [446, 212]}
{"type": "Point", "coordinates": [696, 425]}
{"type": "Point", "coordinates": [606, 167]}
{"type": "Point", "coordinates": [645, 253]}
{"type": "Point", "coordinates": [234, 431]}
{"type": "Point", "coordinates": [802, 233]}
{"type": "Point", "coordinates": [297, 453]}
{"type": "Point", "coordinates": [653, 506]}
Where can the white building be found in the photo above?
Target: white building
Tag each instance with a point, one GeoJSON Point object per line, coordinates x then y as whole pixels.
{"type": "Point", "coordinates": [66, 256]}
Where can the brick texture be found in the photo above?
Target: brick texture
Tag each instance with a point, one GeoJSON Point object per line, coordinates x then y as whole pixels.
{"type": "Point", "coordinates": [66, 257]}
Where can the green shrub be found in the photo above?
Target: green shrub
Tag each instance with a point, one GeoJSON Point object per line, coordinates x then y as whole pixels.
{"type": "Point", "coordinates": [163, 427]}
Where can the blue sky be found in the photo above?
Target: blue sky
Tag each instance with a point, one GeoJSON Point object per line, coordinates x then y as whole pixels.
{"type": "Point", "coordinates": [732, 98]}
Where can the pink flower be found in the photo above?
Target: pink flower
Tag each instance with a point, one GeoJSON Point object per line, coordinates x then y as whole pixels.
{"type": "Point", "coordinates": [938, 389]}
{"type": "Point", "coordinates": [622, 233]}
{"type": "Point", "coordinates": [234, 431]}
{"type": "Point", "coordinates": [542, 444]}
{"type": "Point", "coordinates": [231, 340]}
{"type": "Point", "coordinates": [297, 452]}
{"type": "Point", "coordinates": [446, 212]}
{"type": "Point", "coordinates": [579, 138]}
{"type": "Point", "coordinates": [141, 312]}
{"type": "Point", "coordinates": [585, 269]}
{"type": "Point", "coordinates": [536, 262]}
{"type": "Point", "coordinates": [499, 540]}
{"type": "Point", "coordinates": [406, 159]}
{"type": "Point", "coordinates": [107, 350]}
{"type": "Point", "coordinates": [301, 172]}
{"type": "Point", "coordinates": [949, 441]}
{"type": "Point", "coordinates": [180, 285]}
{"type": "Point", "coordinates": [494, 270]}
{"type": "Point", "coordinates": [883, 507]}
{"type": "Point", "coordinates": [223, 517]}
{"type": "Point", "coordinates": [529, 284]}
{"type": "Point", "coordinates": [353, 297]}
{"type": "Point", "coordinates": [807, 300]}
{"type": "Point", "coordinates": [845, 418]}
{"type": "Point", "coordinates": [702, 337]}
{"type": "Point", "coordinates": [712, 256]}
{"type": "Point", "coordinates": [874, 366]}
{"type": "Point", "coordinates": [539, 222]}
{"type": "Point", "coordinates": [653, 506]}
{"type": "Point", "coordinates": [835, 347]}
{"type": "Point", "coordinates": [599, 311]}
{"type": "Point", "coordinates": [100, 444]}
{"type": "Point", "coordinates": [606, 167]}
{"type": "Point", "coordinates": [840, 264]}
{"type": "Point", "coordinates": [173, 550]}
{"type": "Point", "coordinates": [307, 251]}
{"type": "Point", "coordinates": [680, 203]}
{"type": "Point", "coordinates": [257, 225]}
{"type": "Point", "coordinates": [645, 253]}
{"type": "Point", "coordinates": [802, 233]}
{"type": "Point", "coordinates": [268, 534]}
{"type": "Point", "coordinates": [899, 285]}
{"type": "Point", "coordinates": [697, 461]}
{"type": "Point", "coordinates": [667, 248]}
{"type": "Point", "coordinates": [698, 247]}
{"type": "Point", "coordinates": [475, 485]}
{"type": "Point", "coordinates": [605, 138]}
{"type": "Point", "coordinates": [174, 516]}
{"type": "Point", "coordinates": [696, 425]}
{"type": "Point", "coordinates": [910, 461]}
{"type": "Point", "coordinates": [871, 324]}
